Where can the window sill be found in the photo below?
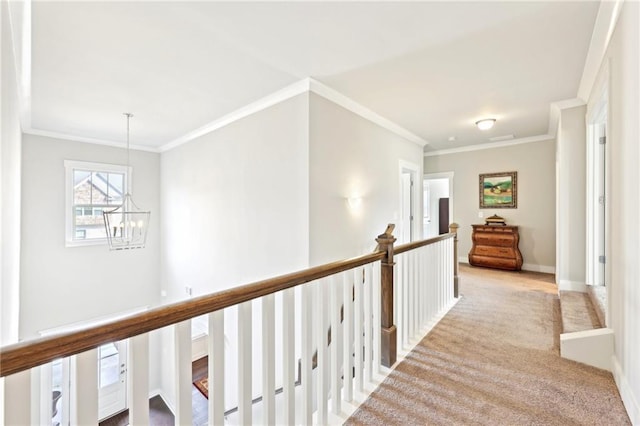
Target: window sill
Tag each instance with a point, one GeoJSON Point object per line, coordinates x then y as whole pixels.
{"type": "Point", "coordinates": [86, 243]}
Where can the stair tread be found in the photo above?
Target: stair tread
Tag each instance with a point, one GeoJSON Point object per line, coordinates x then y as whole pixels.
{"type": "Point", "coordinates": [578, 313]}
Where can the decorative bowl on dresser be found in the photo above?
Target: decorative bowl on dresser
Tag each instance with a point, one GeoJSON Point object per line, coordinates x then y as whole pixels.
{"type": "Point", "coordinates": [496, 246]}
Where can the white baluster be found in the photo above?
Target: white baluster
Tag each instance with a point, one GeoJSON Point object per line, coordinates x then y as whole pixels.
{"type": "Point", "coordinates": [288, 355]}
{"type": "Point", "coordinates": [368, 341]}
{"type": "Point", "coordinates": [17, 399]}
{"type": "Point", "coordinates": [184, 372]}
{"type": "Point", "coordinates": [377, 320]}
{"type": "Point", "coordinates": [335, 301]}
{"type": "Point", "coordinates": [347, 369]}
{"type": "Point", "coordinates": [358, 327]}
{"type": "Point", "coordinates": [321, 350]}
{"type": "Point", "coordinates": [138, 379]}
{"type": "Point", "coordinates": [42, 383]}
{"type": "Point", "coordinates": [215, 349]}
{"type": "Point", "coordinates": [268, 360]}
{"type": "Point", "coordinates": [307, 354]}
{"type": "Point", "coordinates": [245, 363]}
{"type": "Point", "coordinates": [86, 386]}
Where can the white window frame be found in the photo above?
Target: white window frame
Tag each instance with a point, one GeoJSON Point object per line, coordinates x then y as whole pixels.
{"type": "Point", "coordinates": [70, 166]}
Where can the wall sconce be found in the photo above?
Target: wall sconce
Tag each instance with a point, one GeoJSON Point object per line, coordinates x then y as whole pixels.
{"type": "Point", "coordinates": [354, 202]}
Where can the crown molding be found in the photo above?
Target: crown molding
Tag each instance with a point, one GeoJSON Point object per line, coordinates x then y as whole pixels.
{"type": "Point", "coordinates": [492, 145]}
{"type": "Point", "coordinates": [307, 85]}
{"type": "Point", "coordinates": [554, 112]}
{"type": "Point", "coordinates": [364, 112]}
{"type": "Point", "coordinates": [66, 136]}
{"type": "Point", "coordinates": [606, 21]}
{"type": "Point", "coordinates": [282, 95]}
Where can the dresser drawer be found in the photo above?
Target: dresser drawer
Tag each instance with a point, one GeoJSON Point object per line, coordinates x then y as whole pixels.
{"type": "Point", "coordinates": [494, 262]}
{"type": "Point", "coordinates": [504, 240]}
{"type": "Point", "coordinates": [494, 251]}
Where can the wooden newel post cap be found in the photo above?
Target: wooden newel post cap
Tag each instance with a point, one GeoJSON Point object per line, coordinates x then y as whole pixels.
{"type": "Point", "coordinates": [386, 238]}
{"type": "Point", "coordinates": [454, 228]}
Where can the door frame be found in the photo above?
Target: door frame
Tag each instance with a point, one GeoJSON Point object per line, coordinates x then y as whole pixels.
{"type": "Point", "coordinates": [406, 167]}
{"type": "Point", "coordinates": [443, 175]}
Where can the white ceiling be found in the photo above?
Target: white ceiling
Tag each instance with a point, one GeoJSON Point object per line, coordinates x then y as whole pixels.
{"type": "Point", "coordinates": [433, 68]}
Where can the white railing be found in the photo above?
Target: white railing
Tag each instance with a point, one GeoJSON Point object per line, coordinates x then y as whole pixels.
{"type": "Point", "coordinates": [313, 357]}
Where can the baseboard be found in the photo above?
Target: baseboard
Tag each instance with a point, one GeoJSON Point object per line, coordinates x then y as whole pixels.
{"type": "Point", "coordinates": [538, 268]}
{"type": "Point", "coordinates": [566, 285]}
{"type": "Point", "coordinates": [463, 259]}
{"type": "Point", "coordinates": [629, 399]}
{"type": "Point", "coordinates": [158, 392]}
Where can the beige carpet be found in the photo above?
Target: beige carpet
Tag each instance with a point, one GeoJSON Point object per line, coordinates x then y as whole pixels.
{"type": "Point", "coordinates": [494, 360]}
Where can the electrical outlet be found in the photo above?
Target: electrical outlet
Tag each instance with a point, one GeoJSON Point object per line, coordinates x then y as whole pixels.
{"type": "Point", "coordinates": [188, 290]}
{"type": "Point", "coordinates": [480, 214]}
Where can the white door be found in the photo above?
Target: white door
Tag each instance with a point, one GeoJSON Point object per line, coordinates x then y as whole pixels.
{"type": "Point", "coordinates": [112, 379]}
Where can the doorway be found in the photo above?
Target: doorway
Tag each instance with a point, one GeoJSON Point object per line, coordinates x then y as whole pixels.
{"type": "Point", "coordinates": [409, 228]}
{"type": "Point", "coordinates": [437, 204]}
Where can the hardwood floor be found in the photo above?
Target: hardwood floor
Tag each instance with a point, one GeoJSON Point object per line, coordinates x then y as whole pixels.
{"type": "Point", "coordinates": [159, 413]}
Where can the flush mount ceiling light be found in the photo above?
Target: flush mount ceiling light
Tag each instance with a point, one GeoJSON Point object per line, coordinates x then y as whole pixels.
{"type": "Point", "coordinates": [127, 224]}
{"type": "Point", "coordinates": [485, 124]}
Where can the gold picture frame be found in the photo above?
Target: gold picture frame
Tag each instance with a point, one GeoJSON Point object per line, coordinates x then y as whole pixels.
{"type": "Point", "coordinates": [499, 190]}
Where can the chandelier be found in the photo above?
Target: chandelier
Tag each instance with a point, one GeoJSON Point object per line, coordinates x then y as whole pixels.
{"type": "Point", "coordinates": [126, 225]}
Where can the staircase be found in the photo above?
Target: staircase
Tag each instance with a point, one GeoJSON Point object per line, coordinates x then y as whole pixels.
{"type": "Point", "coordinates": [584, 337]}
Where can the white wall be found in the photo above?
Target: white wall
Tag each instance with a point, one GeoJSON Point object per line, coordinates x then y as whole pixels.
{"type": "Point", "coordinates": [624, 203]}
{"type": "Point", "coordinates": [235, 210]}
{"type": "Point", "coordinates": [571, 158]}
{"type": "Point", "coordinates": [535, 215]}
{"type": "Point", "coordinates": [10, 152]}
{"type": "Point", "coordinates": [350, 155]}
{"type": "Point", "coordinates": [61, 285]}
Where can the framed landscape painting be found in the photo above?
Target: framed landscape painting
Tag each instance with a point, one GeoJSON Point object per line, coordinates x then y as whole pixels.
{"type": "Point", "coordinates": [499, 190]}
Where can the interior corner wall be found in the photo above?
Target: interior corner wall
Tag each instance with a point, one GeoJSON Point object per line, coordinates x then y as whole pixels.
{"type": "Point", "coordinates": [349, 155]}
{"type": "Point", "coordinates": [64, 285]}
{"type": "Point", "coordinates": [235, 210]}
{"type": "Point", "coordinates": [10, 157]}
{"type": "Point", "coordinates": [623, 149]}
{"type": "Point", "coordinates": [535, 214]}
{"type": "Point", "coordinates": [571, 198]}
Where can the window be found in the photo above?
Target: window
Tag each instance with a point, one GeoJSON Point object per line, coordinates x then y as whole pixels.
{"type": "Point", "coordinates": [91, 189]}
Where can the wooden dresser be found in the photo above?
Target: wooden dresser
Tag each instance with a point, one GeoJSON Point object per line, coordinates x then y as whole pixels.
{"type": "Point", "coordinates": [495, 246]}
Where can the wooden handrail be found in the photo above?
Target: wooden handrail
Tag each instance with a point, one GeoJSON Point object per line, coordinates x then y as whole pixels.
{"type": "Point", "coordinates": [31, 353]}
{"type": "Point", "coordinates": [34, 352]}
{"type": "Point", "coordinates": [417, 244]}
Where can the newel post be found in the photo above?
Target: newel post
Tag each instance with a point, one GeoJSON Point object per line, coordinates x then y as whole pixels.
{"type": "Point", "coordinates": [388, 340]}
{"type": "Point", "coordinates": [453, 228]}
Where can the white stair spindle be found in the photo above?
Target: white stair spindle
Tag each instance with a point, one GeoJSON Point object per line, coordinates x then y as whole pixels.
{"type": "Point", "coordinates": [307, 355]}
{"type": "Point", "coordinates": [215, 349]}
{"type": "Point", "coordinates": [377, 327]}
{"type": "Point", "coordinates": [86, 385]}
{"type": "Point", "coordinates": [321, 348]}
{"type": "Point", "coordinates": [347, 347]}
{"type": "Point", "coordinates": [335, 302]}
{"type": "Point", "coordinates": [368, 341]}
{"type": "Point", "coordinates": [138, 380]}
{"type": "Point", "coordinates": [358, 328]}
{"type": "Point", "coordinates": [288, 355]}
{"type": "Point", "coordinates": [268, 360]}
{"type": "Point", "coordinates": [245, 377]}
{"type": "Point", "coordinates": [184, 374]}
{"type": "Point", "coordinates": [17, 399]}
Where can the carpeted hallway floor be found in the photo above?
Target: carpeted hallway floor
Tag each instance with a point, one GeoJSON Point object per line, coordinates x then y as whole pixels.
{"type": "Point", "coordinates": [494, 360]}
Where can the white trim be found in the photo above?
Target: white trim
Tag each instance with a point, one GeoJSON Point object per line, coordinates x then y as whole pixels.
{"type": "Point", "coordinates": [81, 325]}
{"type": "Point", "coordinates": [491, 145]}
{"type": "Point", "coordinates": [525, 267]}
{"type": "Point", "coordinates": [282, 95]}
{"type": "Point", "coordinates": [630, 400]}
{"type": "Point", "coordinates": [416, 194]}
{"type": "Point", "coordinates": [70, 166]}
{"type": "Point", "coordinates": [606, 21]}
{"type": "Point", "coordinates": [65, 136]}
{"type": "Point", "coordinates": [554, 113]}
{"type": "Point", "coordinates": [295, 89]}
{"type": "Point", "coordinates": [441, 175]}
{"type": "Point", "coordinates": [539, 268]}
{"type": "Point", "coordinates": [364, 112]}
{"type": "Point", "coordinates": [566, 285]}
{"type": "Point", "coordinates": [592, 347]}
